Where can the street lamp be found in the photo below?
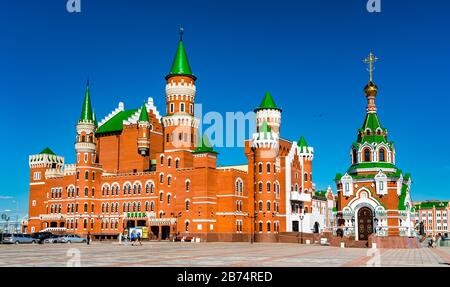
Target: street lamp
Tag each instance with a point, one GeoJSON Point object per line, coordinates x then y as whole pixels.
{"type": "Point", "coordinates": [301, 226]}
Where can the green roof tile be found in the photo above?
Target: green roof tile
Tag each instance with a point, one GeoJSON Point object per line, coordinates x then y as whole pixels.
{"type": "Point", "coordinates": [86, 110]}
{"type": "Point", "coordinates": [267, 103]}
{"type": "Point", "coordinates": [47, 150]}
{"type": "Point", "coordinates": [143, 116]}
{"type": "Point", "coordinates": [180, 65]}
{"type": "Point", "coordinates": [204, 146]}
{"type": "Point", "coordinates": [115, 124]}
{"type": "Point", "coordinates": [302, 144]}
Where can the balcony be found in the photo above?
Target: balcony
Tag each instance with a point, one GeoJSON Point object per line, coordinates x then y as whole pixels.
{"type": "Point", "coordinates": [298, 196]}
{"type": "Point", "coordinates": [85, 147]}
{"type": "Point", "coordinates": [52, 216]}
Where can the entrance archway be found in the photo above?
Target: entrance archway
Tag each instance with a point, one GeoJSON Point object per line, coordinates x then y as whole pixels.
{"type": "Point", "coordinates": [365, 223]}
{"type": "Point", "coordinates": [165, 232]}
{"type": "Point", "coordinates": [316, 227]}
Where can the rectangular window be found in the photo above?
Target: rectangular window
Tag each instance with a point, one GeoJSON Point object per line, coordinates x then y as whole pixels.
{"type": "Point", "coordinates": [37, 175]}
{"type": "Point", "coordinates": [171, 108]}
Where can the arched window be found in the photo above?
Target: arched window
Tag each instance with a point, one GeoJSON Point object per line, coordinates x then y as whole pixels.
{"type": "Point", "coordinates": [305, 177]}
{"type": "Point", "coordinates": [382, 155]}
{"type": "Point", "coordinates": [188, 185]}
{"type": "Point", "coordinates": [168, 198]}
{"type": "Point", "coordinates": [260, 167]}
{"type": "Point", "coordinates": [366, 155]}
{"type": "Point", "coordinates": [268, 206]}
{"type": "Point", "coordinates": [260, 206]}
{"type": "Point", "coordinates": [169, 180]}
{"type": "Point", "coordinates": [186, 224]}
{"type": "Point", "coordinates": [260, 186]}
{"type": "Point", "coordinates": [161, 178]}
{"type": "Point", "coordinates": [187, 203]}
{"type": "Point", "coordinates": [268, 167]}
{"type": "Point", "coordinates": [85, 223]}
{"type": "Point", "coordinates": [161, 195]}
{"type": "Point", "coordinates": [139, 206]}
{"type": "Point", "coordinates": [260, 226]}
{"type": "Point", "coordinates": [124, 207]}
{"type": "Point", "coordinates": [86, 191]}
{"type": "Point", "coordinates": [354, 156]}
{"type": "Point", "coordinates": [169, 162]}
{"type": "Point", "coordinates": [162, 159]}
{"type": "Point", "coordinates": [268, 226]}
{"type": "Point", "coordinates": [177, 163]}
{"type": "Point", "coordinates": [268, 187]}
{"type": "Point", "coordinates": [134, 189]}
{"type": "Point", "coordinates": [134, 206]}
{"type": "Point", "coordinates": [146, 206]}
{"type": "Point", "coordinates": [152, 206]}
{"type": "Point", "coordinates": [85, 208]}
{"type": "Point", "coordinates": [139, 188]}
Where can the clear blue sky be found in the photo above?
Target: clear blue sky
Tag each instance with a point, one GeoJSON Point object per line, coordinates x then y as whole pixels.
{"type": "Point", "coordinates": [307, 53]}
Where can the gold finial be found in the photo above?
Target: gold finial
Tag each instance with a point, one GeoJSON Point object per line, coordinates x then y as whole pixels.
{"type": "Point", "coordinates": [370, 60]}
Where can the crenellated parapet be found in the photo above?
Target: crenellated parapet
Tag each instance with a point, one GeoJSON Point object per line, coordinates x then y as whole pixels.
{"type": "Point", "coordinates": [44, 160]}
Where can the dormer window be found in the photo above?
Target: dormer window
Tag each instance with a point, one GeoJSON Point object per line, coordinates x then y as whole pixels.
{"type": "Point", "coordinates": [382, 155]}
{"type": "Point", "coordinates": [354, 156]}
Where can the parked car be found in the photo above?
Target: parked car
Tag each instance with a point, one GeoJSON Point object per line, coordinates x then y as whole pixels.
{"type": "Point", "coordinates": [52, 239]}
{"type": "Point", "coordinates": [71, 238]}
{"type": "Point", "coordinates": [40, 237]}
{"type": "Point", "coordinates": [18, 238]}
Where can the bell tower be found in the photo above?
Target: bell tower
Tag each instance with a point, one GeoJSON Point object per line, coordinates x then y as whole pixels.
{"type": "Point", "coordinates": [180, 125]}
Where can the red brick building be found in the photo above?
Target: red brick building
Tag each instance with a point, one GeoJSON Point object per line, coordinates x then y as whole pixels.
{"type": "Point", "coordinates": [432, 216]}
{"type": "Point", "coordinates": [138, 168]}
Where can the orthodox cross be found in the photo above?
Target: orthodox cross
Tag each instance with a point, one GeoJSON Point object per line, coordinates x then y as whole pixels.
{"type": "Point", "coordinates": [370, 60]}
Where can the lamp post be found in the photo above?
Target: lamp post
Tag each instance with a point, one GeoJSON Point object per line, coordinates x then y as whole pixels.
{"type": "Point", "coordinates": [301, 226]}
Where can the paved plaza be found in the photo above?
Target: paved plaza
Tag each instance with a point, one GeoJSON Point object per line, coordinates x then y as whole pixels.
{"type": "Point", "coordinates": [215, 254]}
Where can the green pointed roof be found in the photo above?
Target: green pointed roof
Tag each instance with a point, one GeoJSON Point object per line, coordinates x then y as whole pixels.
{"type": "Point", "coordinates": [372, 123]}
{"type": "Point", "coordinates": [265, 127]}
{"type": "Point", "coordinates": [267, 103]}
{"type": "Point", "coordinates": [204, 146]}
{"type": "Point", "coordinates": [95, 118]}
{"type": "Point", "coordinates": [180, 65]}
{"type": "Point", "coordinates": [86, 110]}
{"type": "Point", "coordinates": [302, 144]}
{"type": "Point", "coordinates": [143, 116]}
{"type": "Point", "coordinates": [115, 124]}
{"type": "Point", "coordinates": [47, 150]}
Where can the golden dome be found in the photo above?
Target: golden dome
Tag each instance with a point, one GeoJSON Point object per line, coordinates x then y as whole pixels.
{"type": "Point", "coordinates": [371, 89]}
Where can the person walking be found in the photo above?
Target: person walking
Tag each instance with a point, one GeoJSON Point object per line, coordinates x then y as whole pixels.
{"type": "Point", "coordinates": [139, 239]}
{"type": "Point", "coordinates": [120, 238]}
{"type": "Point", "coordinates": [133, 237]}
{"type": "Point", "coordinates": [88, 238]}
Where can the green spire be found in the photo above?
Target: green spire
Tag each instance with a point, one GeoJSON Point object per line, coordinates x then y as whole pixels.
{"type": "Point", "coordinates": [267, 103]}
{"type": "Point", "coordinates": [143, 116]}
{"type": "Point", "coordinates": [180, 64]}
{"type": "Point", "coordinates": [94, 118]}
{"type": "Point", "coordinates": [47, 150]}
{"type": "Point", "coordinates": [204, 146]}
{"type": "Point", "coordinates": [86, 110]}
{"type": "Point", "coordinates": [302, 144]}
{"type": "Point", "coordinates": [372, 123]}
